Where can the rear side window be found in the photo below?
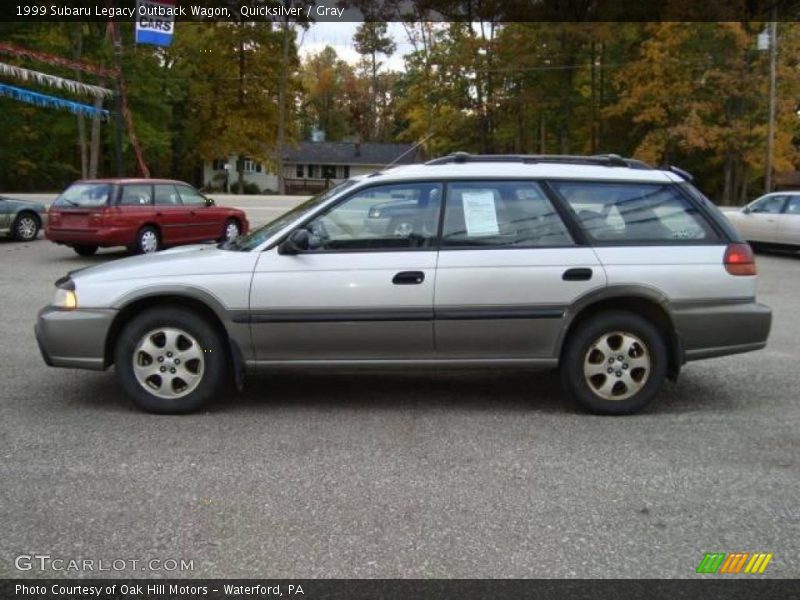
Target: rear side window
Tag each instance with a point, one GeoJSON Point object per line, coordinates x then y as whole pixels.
{"type": "Point", "coordinates": [136, 195]}
{"type": "Point", "coordinates": [501, 214]}
{"type": "Point", "coordinates": [634, 212]}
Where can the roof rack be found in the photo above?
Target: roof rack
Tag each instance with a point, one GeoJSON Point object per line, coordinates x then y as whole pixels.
{"type": "Point", "coordinates": [605, 160]}
{"type": "Point", "coordinates": [681, 173]}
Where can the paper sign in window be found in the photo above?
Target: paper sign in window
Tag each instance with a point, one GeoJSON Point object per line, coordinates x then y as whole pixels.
{"type": "Point", "coordinates": [480, 215]}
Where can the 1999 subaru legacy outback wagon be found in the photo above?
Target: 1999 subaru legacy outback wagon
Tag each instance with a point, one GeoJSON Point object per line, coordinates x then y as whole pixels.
{"type": "Point", "coordinates": [614, 271]}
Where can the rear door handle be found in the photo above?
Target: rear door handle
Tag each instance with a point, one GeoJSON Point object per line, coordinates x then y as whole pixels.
{"type": "Point", "coordinates": [408, 278]}
{"type": "Point", "coordinates": [577, 275]}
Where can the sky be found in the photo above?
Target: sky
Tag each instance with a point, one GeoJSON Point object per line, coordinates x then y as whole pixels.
{"type": "Point", "coordinates": [340, 37]}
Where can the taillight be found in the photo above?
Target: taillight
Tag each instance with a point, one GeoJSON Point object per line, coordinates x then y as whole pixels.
{"type": "Point", "coordinates": [739, 260]}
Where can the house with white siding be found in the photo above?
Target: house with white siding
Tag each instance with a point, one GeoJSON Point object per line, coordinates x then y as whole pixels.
{"type": "Point", "coordinates": [312, 166]}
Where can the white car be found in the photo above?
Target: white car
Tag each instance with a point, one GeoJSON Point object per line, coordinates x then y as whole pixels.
{"type": "Point", "coordinates": [773, 219]}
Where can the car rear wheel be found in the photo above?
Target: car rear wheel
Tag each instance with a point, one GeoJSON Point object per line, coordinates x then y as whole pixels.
{"type": "Point", "coordinates": [85, 249]}
{"type": "Point", "coordinates": [170, 360]}
{"type": "Point", "coordinates": [614, 363]}
{"type": "Point", "coordinates": [26, 227]}
{"type": "Point", "coordinates": [231, 230]}
{"type": "Point", "coordinates": [147, 241]}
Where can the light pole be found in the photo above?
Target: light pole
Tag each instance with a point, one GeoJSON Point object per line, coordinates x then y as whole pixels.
{"type": "Point", "coordinates": [773, 56]}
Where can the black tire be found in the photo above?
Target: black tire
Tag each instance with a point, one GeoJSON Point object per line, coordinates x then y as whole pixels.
{"type": "Point", "coordinates": [141, 243]}
{"type": "Point", "coordinates": [228, 223]}
{"type": "Point", "coordinates": [85, 249]}
{"type": "Point", "coordinates": [213, 372]}
{"type": "Point", "coordinates": [26, 227]}
{"type": "Point", "coordinates": [581, 390]}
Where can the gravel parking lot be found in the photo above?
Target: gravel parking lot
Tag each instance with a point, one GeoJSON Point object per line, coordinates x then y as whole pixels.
{"type": "Point", "coordinates": [446, 474]}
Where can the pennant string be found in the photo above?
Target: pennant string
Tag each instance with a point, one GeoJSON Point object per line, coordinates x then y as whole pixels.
{"type": "Point", "coordinates": [75, 87]}
{"type": "Point", "coordinates": [46, 101]}
{"type": "Point", "coordinates": [52, 59]}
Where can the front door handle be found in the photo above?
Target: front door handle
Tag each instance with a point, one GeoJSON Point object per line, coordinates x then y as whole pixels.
{"type": "Point", "coordinates": [408, 278]}
{"type": "Point", "coordinates": [577, 275]}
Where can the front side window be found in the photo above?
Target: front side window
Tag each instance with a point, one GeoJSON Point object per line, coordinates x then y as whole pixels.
{"type": "Point", "coordinates": [390, 217]}
{"type": "Point", "coordinates": [634, 212]}
{"type": "Point", "coordinates": [770, 205]}
{"type": "Point", "coordinates": [245, 243]}
{"type": "Point", "coordinates": [166, 195]}
{"type": "Point", "coordinates": [136, 195]}
{"type": "Point", "coordinates": [190, 196]}
{"type": "Point", "coordinates": [501, 213]}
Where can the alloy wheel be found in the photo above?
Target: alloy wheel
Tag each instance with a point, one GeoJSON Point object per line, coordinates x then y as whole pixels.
{"type": "Point", "coordinates": [149, 241]}
{"type": "Point", "coordinates": [26, 228]}
{"type": "Point", "coordinates": [617, 365]}
{"type": "Point", "coordinates": [168, 362]}
{"type": "Point", "coordinates": [231, 231]}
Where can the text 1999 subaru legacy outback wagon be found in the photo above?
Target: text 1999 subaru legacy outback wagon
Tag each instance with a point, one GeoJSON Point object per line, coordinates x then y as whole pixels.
{"type": "Point", "coordinates": [616, 272]}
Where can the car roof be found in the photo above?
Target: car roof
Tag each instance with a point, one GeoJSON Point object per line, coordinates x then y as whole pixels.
{"type": "Point", "coordinates": [510, 170]}
{"type": "Point", "coordinates": [128, 180]}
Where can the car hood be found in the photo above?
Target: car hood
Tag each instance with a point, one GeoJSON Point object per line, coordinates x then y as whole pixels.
{"type": "Point", "coordinates": [170, 265]}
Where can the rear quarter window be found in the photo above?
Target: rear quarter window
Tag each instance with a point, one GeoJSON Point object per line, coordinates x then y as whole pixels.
{"type": "Point", "coordinates": [84, 195]}
{"type": "Point", "coordinates": [635, 212]}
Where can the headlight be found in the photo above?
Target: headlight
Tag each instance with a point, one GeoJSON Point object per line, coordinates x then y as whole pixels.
{"type": "Point", "coordinates": [374, 213]}
{"type": "Point", "coordinates": [65, 296]}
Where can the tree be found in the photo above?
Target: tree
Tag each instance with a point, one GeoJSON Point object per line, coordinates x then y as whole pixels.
{"type": "Point", "coordinates": [371, 39]}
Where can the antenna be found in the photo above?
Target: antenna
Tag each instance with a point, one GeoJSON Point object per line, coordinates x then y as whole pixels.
{"type": "Point", "coordinates": [414, 147]}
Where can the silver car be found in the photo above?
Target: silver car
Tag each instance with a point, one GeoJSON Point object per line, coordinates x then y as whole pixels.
{"type": "Point", "coordinates": [21, 219]}
{"type": "Point", "coordinates": [772, 220]}
{"type": "Point", "coordinates": [615, 272]}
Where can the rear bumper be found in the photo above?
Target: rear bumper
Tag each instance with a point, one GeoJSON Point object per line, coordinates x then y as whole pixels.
{"type": "Point", "coordinates": [111, 236]}
{"type": "Point", "coordinates": [73, 338]}
{"type": "Point", "coordinates": [710, 329]}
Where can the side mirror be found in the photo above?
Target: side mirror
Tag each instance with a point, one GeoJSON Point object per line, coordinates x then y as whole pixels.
{"type": "Point", "coordinates": [747, 210]}
{"type": "Point", "coordinates": [209, 202]}
{"type": "Point", "coordinates": [298, 241]}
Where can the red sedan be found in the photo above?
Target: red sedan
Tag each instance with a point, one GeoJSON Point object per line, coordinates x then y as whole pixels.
{"type": "Point", "coordinates": [145, 215]}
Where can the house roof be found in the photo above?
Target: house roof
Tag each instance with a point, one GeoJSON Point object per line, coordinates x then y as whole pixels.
{"type": "Point", "coordinates": [352, 153]}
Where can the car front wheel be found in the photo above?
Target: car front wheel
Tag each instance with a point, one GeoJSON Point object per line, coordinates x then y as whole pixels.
{"type": "Point", "coordinates": [170, 360]}
{"type": "Point", "coordinates": [231, 230]}
{"type": "Point", "coordinates": [614, 363]}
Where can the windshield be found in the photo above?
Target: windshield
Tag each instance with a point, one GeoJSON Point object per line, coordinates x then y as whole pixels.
{"type": "Point", "coordinates": [84, 195]}
{"type": "Point", "coordinates": [258, 236]}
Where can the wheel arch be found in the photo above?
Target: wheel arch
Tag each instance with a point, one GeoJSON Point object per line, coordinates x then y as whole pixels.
{"type": "Point", "coordinates": [643, 301]}
{"type": "Point", "coordinates": [149, 224]}
{"type": "Point", "coordinates": [198, 301]}
{"type": "Point", "coordinates": [29, 211]}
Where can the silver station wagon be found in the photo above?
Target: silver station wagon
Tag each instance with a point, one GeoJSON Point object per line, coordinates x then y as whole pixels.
{"type": "Point", "coordinates": [615, 272]}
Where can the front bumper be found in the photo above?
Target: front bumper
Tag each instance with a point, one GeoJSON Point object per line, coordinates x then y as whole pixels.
{"type": "Point", "coordinates": [74, 339]}
{"type": "Point", "coordinates": [714, 329]}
